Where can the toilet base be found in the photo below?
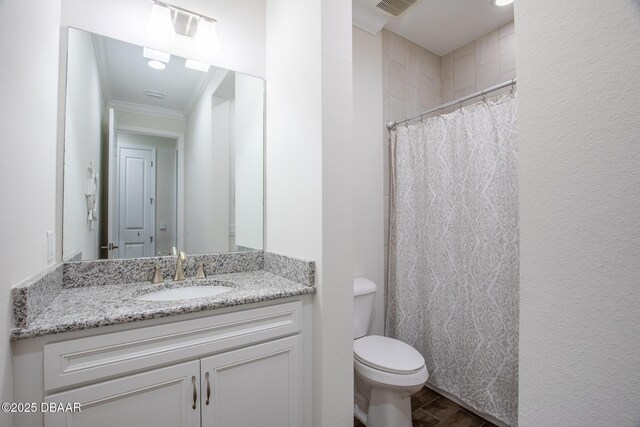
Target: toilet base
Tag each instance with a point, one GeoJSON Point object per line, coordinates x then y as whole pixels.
{"type": "Point", "coordinates": [389, 408]}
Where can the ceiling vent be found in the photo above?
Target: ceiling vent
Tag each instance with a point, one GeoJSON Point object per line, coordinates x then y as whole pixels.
{"type": "Point", "coordinates": [395, 8]}
{"type": "Point", "coordinates": [154, 94]}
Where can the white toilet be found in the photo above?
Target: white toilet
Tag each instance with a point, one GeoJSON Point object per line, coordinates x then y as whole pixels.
{"type": "Point", "coordinates": [387, 371]}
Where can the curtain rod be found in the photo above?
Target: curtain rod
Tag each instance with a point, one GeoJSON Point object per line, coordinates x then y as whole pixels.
{"type": "Point", "coordinates": [392, 125]}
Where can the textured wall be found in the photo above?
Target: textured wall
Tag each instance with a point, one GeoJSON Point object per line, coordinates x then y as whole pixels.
{"type": "Point", "coordinates": [28, 128]}
{"type": "Point", "coordinates": [368, 238]}
{"type": "Point", "coordinates": [309, 176]}
{"type": "Point", "coordinates": [578, 112]}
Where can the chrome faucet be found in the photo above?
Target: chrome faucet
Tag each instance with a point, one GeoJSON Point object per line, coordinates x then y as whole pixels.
{"type": "Point", "coordinates": [180, 267]}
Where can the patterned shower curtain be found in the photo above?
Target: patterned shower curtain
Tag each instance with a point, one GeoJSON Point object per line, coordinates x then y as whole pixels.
{"type": "Point", "coordinates": [453, 251]}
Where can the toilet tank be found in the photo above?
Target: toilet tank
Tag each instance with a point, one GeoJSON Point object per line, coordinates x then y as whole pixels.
{"type": "Point", "coordinates": [364, 292]}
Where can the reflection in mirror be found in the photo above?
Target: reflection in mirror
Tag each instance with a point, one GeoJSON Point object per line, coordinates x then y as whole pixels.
{"type": "Point", "coordinates": [159, 153]}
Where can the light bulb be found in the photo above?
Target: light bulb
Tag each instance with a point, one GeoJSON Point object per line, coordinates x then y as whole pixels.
{"type": "Point", "coordinates": [160, 26]}
{"type": "Point", "coordinates": [156, 65]}
{"type": "Point", "coordinates": [207, 37]}
{"type": "Point", "coordinates": [498, 3]}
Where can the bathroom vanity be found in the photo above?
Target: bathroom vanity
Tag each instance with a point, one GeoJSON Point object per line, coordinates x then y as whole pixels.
{"type": "Point", "coordinates": [232, 359]}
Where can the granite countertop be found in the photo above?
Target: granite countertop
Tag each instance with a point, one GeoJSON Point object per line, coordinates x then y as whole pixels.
{"type": "Point", "coordinates": [87, 307]}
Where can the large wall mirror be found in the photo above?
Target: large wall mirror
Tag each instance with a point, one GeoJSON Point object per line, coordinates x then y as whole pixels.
{"type": "Point", "coordinates": [160, 152]}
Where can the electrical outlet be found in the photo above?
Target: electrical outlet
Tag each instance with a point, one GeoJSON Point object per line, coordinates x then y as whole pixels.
{"type": "Point", "coordinates": [51, 244]}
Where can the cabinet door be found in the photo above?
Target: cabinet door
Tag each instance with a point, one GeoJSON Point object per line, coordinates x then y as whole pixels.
{"type": "Point", "coordinates": [259, 385]}
{"type": "Point", "coordinates": [163, 397]}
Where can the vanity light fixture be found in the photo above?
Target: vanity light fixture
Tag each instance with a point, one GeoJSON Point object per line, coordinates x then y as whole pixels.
{"type": "Point", "coordinates": [499, 3]}
{"type": "Point", "coordinates": [156, 65]}
{"type": "Point", "coordinates": [160, 24]}
{"type": "Point", "coordinates": [167, 20]}
{"type": "Point", "coordinates": [156, 54]}
{"type": "Point", "coordinates": [196, 65]}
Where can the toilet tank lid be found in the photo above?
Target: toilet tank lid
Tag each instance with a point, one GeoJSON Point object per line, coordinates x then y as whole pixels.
{"type": "Point", "coordinates": [362, 285]}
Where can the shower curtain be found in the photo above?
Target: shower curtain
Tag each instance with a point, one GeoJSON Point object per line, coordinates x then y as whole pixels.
{"type": "Point", "coordinates": [453, 251]}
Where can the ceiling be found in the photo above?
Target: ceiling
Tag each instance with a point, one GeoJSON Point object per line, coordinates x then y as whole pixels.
{"type": "Point", "coordinates": [437, 25]}
{"type": "Point", "coordinates": [125, 76]}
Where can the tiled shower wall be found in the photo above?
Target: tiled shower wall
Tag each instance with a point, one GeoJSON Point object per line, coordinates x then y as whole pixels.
{"type": "Point", "coordinates": [415, 79]}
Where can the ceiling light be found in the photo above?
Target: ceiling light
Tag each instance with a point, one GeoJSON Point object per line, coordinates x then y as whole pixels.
{"type": "Point", "coordinates": [156, 54]}
{"type": "Point", "coordinates": [156, 65]}
{"type": "Point", "coordinates": [498, 3]}
{"type": "Point", "coordinates": [197, 65]}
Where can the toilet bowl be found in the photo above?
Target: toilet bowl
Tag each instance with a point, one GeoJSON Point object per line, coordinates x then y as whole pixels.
{"type": "Point", "coordinates": [387, 371]}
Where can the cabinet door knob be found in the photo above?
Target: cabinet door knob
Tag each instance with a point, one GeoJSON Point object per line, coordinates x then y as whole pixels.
{"type": "Point", "coordinates": [208, 388]}
{"type": "Point", "coordinates": [195, 392]}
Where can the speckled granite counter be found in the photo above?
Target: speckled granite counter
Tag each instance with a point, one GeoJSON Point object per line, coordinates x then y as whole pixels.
{"type": "Point", "coordinates": [88, 306]}
{"type": "Point", "coordinates": [94, 306]}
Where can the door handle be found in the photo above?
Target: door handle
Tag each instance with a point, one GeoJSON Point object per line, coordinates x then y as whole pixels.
{"type": "Point", "coordinates": [195, 393]}
{"type": "Point", "coordinates": [208, 388]}
{"type": "Point", "coordinates": [109, 246]}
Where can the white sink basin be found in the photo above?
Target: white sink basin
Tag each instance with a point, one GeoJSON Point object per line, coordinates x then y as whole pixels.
{"type": "Point", "coordinates": [187, 292]}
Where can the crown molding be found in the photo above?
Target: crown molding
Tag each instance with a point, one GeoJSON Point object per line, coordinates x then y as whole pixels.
{"type": "Point", "coordinates": [148, 110]}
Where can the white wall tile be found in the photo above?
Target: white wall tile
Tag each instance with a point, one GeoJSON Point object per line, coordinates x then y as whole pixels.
{"type": "Point", "coordinates": [447, 66]}
{"type": "Point", "coordinates": [397, 80]}
{"type": "Point", "coordinates": [509, 75]}
{"type": "Point", "coordinates": [464, 50]}
{"type": "Point", "coordinates": [412, 103]}
{"type": "Point", "coordinates": [488, 75]}
{"type": "Point", "coordinates": [447, 90]}
{"type": "Point", "coordinates": [508, 53]}
{"type": "Point", "coordinates": [464, 72]}
{"type": "Point", "coordinates": [385, 134]}
{"type": "Point", "coordinates": [427, 63]}
{"type": "Point", "coordinates": [464, 92]}
{"type": "Point", "coordinates": [507, 29]}
{"type": "Point", "coordinates": [412, 67]}
{"type": "Point", "coordinates": [397, 108]}
{"type": "Point", "coordinates": [396, 48]}
{"type": "Point", "coordinates": [427, 92]}
{"type": "Point", "coordinates": [487, 48]}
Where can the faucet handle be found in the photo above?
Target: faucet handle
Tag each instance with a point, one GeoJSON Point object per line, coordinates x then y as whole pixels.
{"type": "Point", "coordinates": [157, 274]}
{"type": "Point", "coordinates": [200, 273]}
{"type": "Point", "coordinates": [174, 251]}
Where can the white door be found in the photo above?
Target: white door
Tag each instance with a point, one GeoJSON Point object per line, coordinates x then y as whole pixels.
{"type": "Point", "coordinates": [259, 385]}
{"type": "Point", "coordinates": [136, 209]}
{"type": "Point", "coordinates": [162, 397]}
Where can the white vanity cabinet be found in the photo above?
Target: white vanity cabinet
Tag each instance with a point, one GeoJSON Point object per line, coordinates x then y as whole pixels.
{"type": "Point", "coordinates": [253, 386]}
{"type": "Point", "coordinates": [161, 397]}
{"type": "Point", "coordinates": [232, 369]}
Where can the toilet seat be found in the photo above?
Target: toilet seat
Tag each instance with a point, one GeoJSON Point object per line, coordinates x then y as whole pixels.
{"type": "Point", "coordinates": [388, 355]}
